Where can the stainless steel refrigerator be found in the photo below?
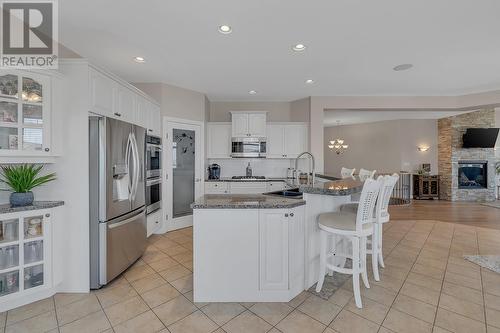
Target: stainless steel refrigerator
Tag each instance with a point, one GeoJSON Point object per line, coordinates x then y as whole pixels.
{"type": "Point", "coordinates": [117, 197]}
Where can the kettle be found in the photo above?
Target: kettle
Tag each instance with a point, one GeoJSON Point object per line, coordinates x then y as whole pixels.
{"type": "Point", "coordinates": [214, 171]}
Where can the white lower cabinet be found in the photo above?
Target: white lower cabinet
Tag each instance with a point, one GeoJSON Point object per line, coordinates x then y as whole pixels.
{"type": "Point", "coordinates": [281, 249]}
{"type": "Point", "coordinates": [248, 255]}
{"type": "Point", "coordinates": [248, 187]}
{"type": "Point", "coordinates": [154, 222]}
{"type": "Point", "coordinates": [273, 249]}
{"type": "Point", "coordinates": [26, 258]}
{"type": "Point", "coordinates": [216, 187]}
{"type": "Point", "coordinates": [275, 186]}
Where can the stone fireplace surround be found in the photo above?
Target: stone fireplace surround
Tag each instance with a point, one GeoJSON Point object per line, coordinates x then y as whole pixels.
{"type": "Point", "coordinates": [450, 152]}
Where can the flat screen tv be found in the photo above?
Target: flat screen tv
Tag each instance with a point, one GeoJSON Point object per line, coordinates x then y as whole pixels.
{"type": "Point", "coordinates": [480, 138]}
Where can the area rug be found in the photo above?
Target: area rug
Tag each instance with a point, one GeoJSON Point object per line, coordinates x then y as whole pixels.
{"type": "Point", "coordinates": [332, 283]}
{"type": "Point", "coordinates": [490, 262]}
{"type": "Point", "coordinates": [495, 204]}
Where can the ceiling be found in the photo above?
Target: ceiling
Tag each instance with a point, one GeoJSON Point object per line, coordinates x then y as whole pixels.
{"type": "Point", "coordinates": [349, 117]}
{"type": "Point", "coordinates": [352, 45]}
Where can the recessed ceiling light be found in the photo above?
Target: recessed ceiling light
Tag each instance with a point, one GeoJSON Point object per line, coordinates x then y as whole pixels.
{"type": "Point", "coordinates": [309, 81]}
{"type": "Point", "coordinates": [298, 47]}
{"type": "Point", "coordinates": [139, 60]}
{"type": "Point", "coordinates": [252, 92]}
{"type": "Point", "coordinates": [402, 67]}
{"type": "Point", "coordinates": [225, 29]}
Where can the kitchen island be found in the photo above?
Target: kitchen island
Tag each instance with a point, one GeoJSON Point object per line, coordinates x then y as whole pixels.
{"type": "Point", "coordinates": [261, 248]}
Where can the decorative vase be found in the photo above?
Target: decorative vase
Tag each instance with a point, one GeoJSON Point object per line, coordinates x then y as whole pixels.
{"type": "Point", "coordinates": [18, 199]}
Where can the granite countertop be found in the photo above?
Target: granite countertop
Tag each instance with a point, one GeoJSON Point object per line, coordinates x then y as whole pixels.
{"type": "Point", "coordinates": [245, 201]}
{"type": "Point", "coordinates": [335, 187]}
{"type": "Point", "coordinates": [7, 208]}
{"type": "Point", "coordinates": [229, 179]}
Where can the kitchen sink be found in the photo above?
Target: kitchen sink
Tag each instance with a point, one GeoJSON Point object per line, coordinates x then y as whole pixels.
{"type": "Point", "coordinates": [293, 193]}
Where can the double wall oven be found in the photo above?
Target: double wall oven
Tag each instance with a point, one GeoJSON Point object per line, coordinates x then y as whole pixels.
{"type": "Point", "coordinates": [153, 173]}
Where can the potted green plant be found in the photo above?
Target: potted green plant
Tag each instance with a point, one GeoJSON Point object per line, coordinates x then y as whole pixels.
{"type": "Point", "coordinates": [21, 179]}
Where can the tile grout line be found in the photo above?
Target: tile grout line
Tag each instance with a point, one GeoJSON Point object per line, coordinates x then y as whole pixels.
{"type": "Point", "coordinates": [345, 306]}
{"type": "Point", "coordinates": [406, 277]}
{"type": "Point", "coordinates": [461, 314]}
{"type": "Point", "coordinates": [181, 294]}
{"type": "Point", "coordinates": [55, 311]}
{"type": "Point", "coordinates": [444, 278]}
{"type": "Point", "coordinates": [482, 285]}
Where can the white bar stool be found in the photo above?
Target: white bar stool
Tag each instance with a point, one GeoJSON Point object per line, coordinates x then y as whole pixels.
{"type": "Point", "coordinates": [381, 216]}
{"type": "Point", "coordinates": [356, 228]}
{"type": "Point", "coordinates": [347, 173]}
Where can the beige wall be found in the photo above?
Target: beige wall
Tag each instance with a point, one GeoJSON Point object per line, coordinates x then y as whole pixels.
{"type": "Point", "coordinates": [300, 110]}
{"type": "Point", "coordinates": [177, 102]}
{"type": "Point", "coordinates": [386, 146]}
{"type": "Point", "coordinates": [278, 111]}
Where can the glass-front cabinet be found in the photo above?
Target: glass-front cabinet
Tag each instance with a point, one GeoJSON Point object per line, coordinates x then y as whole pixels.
{"type": "Point", "coordinates": [24, 113]}
{"type": "Point", "coordinates": [24, 252]}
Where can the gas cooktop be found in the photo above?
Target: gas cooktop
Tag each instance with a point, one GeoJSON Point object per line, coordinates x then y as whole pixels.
{"type": "Point", "coordinates": [248, 177]}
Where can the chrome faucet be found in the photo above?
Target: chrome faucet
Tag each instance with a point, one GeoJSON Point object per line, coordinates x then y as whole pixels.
{"type": "Point", "coordinates": [313, 165]}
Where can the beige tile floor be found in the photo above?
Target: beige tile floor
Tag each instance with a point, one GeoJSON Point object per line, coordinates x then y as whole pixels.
{"type": "Point", "coordinates": [425, 287]}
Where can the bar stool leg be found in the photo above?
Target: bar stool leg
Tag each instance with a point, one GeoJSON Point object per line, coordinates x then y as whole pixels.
{"type": "Point", "coordinates": [364, 271]}
{"type": "Point", "coordinates": [332, 246]}
{"type": "Point", "coordinates": [356, 271]}
{"type": "Point", "coordinates": [375, 249]}
{"type": "Point", "coordinates": [380, 254]}
{"type": "Point", "coordinates": [322, 260]}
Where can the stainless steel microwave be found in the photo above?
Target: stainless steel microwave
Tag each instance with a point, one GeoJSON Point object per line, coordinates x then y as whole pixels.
{"type": "Point", "coordinates": [248, 147]}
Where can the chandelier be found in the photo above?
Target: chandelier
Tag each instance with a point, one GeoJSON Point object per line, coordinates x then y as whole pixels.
{"type": "Point", "coordinates": [338, 144]}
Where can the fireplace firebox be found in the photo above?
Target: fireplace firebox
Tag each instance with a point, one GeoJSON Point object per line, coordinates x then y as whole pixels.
{"type": "Point", "coordinates": [472, 174]}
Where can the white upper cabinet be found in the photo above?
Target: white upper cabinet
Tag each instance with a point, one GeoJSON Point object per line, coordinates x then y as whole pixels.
{"type": "Point", "coordinates": [286, 140]}
{"type": "Point", "coordinates": [103, 94]}
{"type": "Point", "coordinates": [153, 119]}
{"type": "Point", "coordinates": [141, 112]}
{"type": "Point", "coordinates": [125, 104]}
{"type": "Point", "coordinates": [251, 124]}
{"type": "Point", "coordinates": [25, 114]}
{"type": "Point", "coordinates": [119, 100]}
{"type": "Point", "coordinates": [257, 124]}
{"type": "Point", "coordinates": [295, 140]}
{"type": "Point", "coordinates": [275, 141]}
{"type": "Point", "coordinates": [239, 123]}
{"type": "Point", "coordinates": [218, 140]}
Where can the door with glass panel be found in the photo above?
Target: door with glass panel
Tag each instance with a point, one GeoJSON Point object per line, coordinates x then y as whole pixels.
{"type": "Point", "coordinates": [25, 252]}
{"type": "Point", "coordinates": [184, 172]}
{"type": "Point", "coordinates": [24, 113]}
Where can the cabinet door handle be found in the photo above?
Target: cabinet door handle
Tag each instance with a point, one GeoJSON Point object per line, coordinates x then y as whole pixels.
{"type": "Point", "coordinates": [286, 215]}
{"type": "Point", "coordinates": [47, 215]}
{"type": "Point", "coordinates": [47, 149]}
{"type": "Point", "coordinates": [118, 114]}
{"type": "Point", "coordinates": [150, 130]}
{"type": "Point", "coordinates": [291, 214]}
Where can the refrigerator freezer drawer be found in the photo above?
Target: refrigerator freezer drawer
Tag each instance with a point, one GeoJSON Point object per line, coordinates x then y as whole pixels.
{"type": "Point", "coordinates": [125, 241]}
